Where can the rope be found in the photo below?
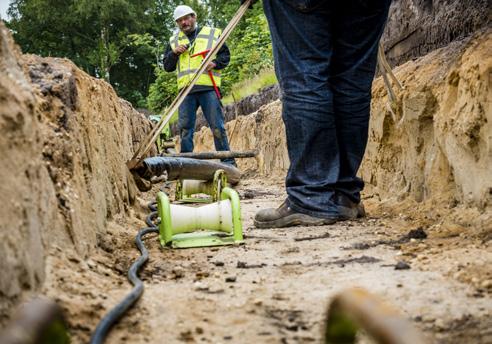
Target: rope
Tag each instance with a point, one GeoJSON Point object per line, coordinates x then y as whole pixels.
{"type": "Point", "coordinates": [387, 74]}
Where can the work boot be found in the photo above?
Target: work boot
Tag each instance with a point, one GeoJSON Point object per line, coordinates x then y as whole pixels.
{"type": "Point", "coordinates": [285, 216]}
{"type": "Point", "coordinates": [348, 209]}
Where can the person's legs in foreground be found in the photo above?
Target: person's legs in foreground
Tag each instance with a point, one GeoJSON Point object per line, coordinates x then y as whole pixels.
{"type": "Point", "coordinates": [357, 28]}
{"type": "Point", "coordinates": [186, 122]}
{"type": "Point", "coordinates": [326, 129]}
{"type": "Point", "coordinates": [215, 118]}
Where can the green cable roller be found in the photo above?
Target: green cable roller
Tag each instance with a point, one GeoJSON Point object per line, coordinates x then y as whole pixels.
{"type": "Point", "coordinates": [186, 188]}
{"type": "Point", "coordinates": [214, 224]}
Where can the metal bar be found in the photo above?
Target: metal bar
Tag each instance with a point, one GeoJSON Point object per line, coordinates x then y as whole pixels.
{"type": "Point", "coordinates": [165, 227]}
{"type": "Point", "coordinates": [38, 321]}
{"type": "Point", "coordinates": [166, 116]}
{"type": "Point", "coordinates": [230, 194]}
{"type": "Point", "coordinates": [214, 155]}
{"type": "Point", "coordinates": [355, 309]}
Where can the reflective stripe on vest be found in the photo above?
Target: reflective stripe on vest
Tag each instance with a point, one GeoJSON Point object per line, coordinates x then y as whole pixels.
{"type": "Point", "coordinates": [187, 65]}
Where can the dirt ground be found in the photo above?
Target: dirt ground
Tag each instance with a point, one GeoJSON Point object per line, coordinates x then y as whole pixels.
{"type": "Point", "coordinates": [276, 287]}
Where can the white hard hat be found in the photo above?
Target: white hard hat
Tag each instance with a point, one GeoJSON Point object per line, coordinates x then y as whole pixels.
{"type": "Point", "coordinates": [181, 11]}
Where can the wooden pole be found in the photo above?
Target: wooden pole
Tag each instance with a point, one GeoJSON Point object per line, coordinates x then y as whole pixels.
{"type": "Point", "coordinates": [214, 155]}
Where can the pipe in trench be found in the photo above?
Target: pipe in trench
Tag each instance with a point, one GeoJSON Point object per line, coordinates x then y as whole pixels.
{"type": "Point", "coordinates": [186, 168]}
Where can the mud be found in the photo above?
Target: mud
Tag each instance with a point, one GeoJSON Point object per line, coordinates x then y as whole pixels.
{"type": "Point", "coordinates": [414, 234]}
{"type": "Point", "coordinates": [262, 130]}
{"type": "Point", "coordinates": [24, 182]}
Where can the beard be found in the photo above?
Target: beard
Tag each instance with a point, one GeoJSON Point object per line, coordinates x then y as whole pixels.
{"type": "Point", "coordinates": [188, 28]}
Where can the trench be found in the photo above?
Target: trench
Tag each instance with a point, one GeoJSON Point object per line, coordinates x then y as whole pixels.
{"type": "Point", "coordinates": [276, 287]}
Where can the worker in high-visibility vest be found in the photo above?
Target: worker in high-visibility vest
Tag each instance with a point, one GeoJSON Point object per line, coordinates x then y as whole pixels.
{"type": "Point", "coordinates": [192, 39]}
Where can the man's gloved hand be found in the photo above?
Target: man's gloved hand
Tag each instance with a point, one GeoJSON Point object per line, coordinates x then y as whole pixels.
{"type": "Point", "coordinates": [211, 65]}
{"type": "Point", "coordinates": [180, 49]}
{"type": "Point", "coordinates": [250, 6]}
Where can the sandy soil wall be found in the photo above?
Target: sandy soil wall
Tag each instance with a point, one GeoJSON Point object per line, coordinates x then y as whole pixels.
{"type": "Point", "coordinates": [417, 27]}
{"type": "Point", "coordinates": [440, 147]}
{"type": "Point", "coordinates": [439, 143]}
{"type": "Point", "coordinates": [64, 141]}
{"type": "Point", "coordinates": [263, 130]}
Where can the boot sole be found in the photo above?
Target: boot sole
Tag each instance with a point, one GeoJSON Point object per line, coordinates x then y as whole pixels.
{"type": "Point", "coordinates": [294, 220]}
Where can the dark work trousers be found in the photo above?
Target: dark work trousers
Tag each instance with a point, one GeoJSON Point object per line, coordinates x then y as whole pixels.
{"type": "Point", "coordinates": [213, 114]}
{"type": "Point", "coordinates": [325, 59]}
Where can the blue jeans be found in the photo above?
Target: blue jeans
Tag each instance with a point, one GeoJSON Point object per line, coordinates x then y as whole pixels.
{"type": "Point", "coordinates": [325, 59]}
{"type": "Point", "coordinates": [212, 111]}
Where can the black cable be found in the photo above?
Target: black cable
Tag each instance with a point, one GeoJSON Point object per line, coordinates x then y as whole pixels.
{"type": "Point", "coordinates": [152, 206]}
{"type": "Point", "coordinates": [149, 220]}
{"type": "Point", "coordinates": [119, 310]}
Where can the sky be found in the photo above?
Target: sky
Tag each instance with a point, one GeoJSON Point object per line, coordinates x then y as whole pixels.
{"type": "Point", "coordinates": [4, 4]}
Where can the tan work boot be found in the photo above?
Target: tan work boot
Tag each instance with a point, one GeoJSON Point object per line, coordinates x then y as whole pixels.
{"type": "Point", "coordinates": [349, 210]}
{"type": "Point", "coordinates": [284, 216]}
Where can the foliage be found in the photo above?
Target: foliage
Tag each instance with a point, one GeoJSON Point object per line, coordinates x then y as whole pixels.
{"type": "Point", "coordinates": [123, 41]}
{"type": "Point", "coordinates": [251, 51]}
{"type": "Point", "coordinates": [162, 91]}
{"type": "Point", "coordinates": [93, 34]}
{"type": "Point", "coordinates": [250, 86]}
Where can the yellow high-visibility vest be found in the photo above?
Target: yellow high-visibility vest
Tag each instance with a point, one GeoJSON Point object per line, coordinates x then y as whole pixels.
{"type": "Point", "coordinates": [187, 65]}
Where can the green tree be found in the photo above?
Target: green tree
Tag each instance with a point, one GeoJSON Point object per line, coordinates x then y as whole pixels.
{"type": "Point", "coordinates": [93, 34]}
{"type": "Point", "coordinates": [251, 49]}
{"type": "Point", "coordinates": [123, 41]}
{"type": "Point", "coordinates": [163, 91]}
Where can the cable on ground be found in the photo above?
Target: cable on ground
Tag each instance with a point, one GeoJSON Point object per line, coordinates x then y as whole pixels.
{"type": "Point", "coordinates": [111, 318]}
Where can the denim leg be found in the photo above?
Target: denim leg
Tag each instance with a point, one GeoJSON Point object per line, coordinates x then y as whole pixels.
{"type": "Point", "coordinates": [357, 29]}
{"type": "Point", "coordinates": [302, 49]}
{"type": "Point", "coordinates": [325, 141]}
{"type": "Point", "coordinates": [186, 122]}
{"type": "Point", "coordinates": [215, 118]}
